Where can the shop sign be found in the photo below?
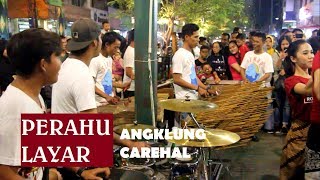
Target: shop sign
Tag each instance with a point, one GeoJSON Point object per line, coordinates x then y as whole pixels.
{"type": "Point", "coordinates": [98, 15]}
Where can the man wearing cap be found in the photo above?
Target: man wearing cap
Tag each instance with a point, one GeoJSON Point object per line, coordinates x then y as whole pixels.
{"type": "Point", "coordinates": [75, 90]}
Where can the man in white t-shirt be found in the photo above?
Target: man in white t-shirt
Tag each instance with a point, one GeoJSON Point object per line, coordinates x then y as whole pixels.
{"type": "Point", "coordinates": [128, 63]}
{"type": "Point", "coordinates": [101, 69]}
{"type": "Point", "coordinates": [186, 82]}
{"type": "Point", "coordinates": [75, 90]}
{"type": "Point", "coordinates": [257, 65]}
{"type": "Point", "coordinates": [36, 66]}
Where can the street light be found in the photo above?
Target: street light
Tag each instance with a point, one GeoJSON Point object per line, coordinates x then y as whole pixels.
{"type": "Point", "coordinates": [276, 18]}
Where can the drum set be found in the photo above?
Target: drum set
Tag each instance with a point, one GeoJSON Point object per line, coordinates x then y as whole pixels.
{"type": "Point", "coordinates": [198, 166]}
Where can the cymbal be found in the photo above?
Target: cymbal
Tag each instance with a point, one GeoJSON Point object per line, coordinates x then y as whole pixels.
{"type": "Point", "coordinates": [118, 129]}
{"type": "Point", "coordinates": [214, 138]}
{"type": "Point", "coordinates": [190, 105]}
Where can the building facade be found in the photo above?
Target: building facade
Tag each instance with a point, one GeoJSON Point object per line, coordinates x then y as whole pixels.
{"type": "Point", "coordinates": [303, 14]}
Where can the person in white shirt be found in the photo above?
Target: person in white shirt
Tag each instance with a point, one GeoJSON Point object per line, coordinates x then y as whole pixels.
{"type": "Point", "coordinates": [128, 63]}
{"type": "Point", "coordinates": [105, 26]}
{"type": "Point", "coordinates": [35, 54]}
{"type": "Point", "coordinates": [186, 82]}
{"type": "Point", "coordinates": [257, 65]}
{"type": "Point", "coordinates": [101, 69]}
{"type": "Point", "coordinates": [75, 90]}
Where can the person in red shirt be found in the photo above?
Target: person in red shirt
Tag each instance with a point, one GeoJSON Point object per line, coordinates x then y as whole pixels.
{"type": "Point", "coordinates": [312, 168]}
{"type": "Point", "coordinates": [243, 48]}
{"type": "Point", "coordinates": [298, 88]}
{"type": "Point", "coordinates": [234, 61]}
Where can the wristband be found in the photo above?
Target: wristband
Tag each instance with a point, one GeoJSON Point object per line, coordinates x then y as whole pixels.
{"type": "Point", "coordinates": [80, 171]}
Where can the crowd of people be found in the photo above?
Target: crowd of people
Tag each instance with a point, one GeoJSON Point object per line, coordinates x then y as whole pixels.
{"type": "Point", "coordinates": [291, 66]}
{"type": "Point", "coordinates": [43, 72]}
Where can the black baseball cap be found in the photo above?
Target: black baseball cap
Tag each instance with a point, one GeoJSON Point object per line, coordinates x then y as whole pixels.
{"type": "Point", "coordinates": [83, 32]}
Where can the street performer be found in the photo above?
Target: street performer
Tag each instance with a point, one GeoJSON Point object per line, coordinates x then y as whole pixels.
{"type": "Point", "coordinates": [186, 82]}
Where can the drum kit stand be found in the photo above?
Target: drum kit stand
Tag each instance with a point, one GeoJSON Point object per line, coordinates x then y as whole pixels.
{"type": "Point", "coordinates": [200, 166]}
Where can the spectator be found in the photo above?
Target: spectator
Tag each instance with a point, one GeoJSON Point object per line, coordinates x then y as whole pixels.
{"type": "Point", "coordinates": [289, 34]}
{"type": "Point", "coordinates": [241, 42]}
{"type": "Point", "coordinates": [297, 34]}
{"type": "Point", "coordinates": [105, 26]}
{"type": "Point", "coordinates": [203, 41]}
{"type": "Point", "coordinates": [204, 52]}
{"type": "Point", "coordinates": [283, 119]}
{"type": "Point", "coordinates": [234, 60]}
{"type": "Point", "coordinates": [225, 37]}
{"type": "Point", "coordinates": [64, 54]}
{"type": "Point", "coordinates": [315, 33]}
{"type": "Point", "coordinates": [274, 54]}
{"type": "Point", "coordinates": [257, 64]}
{"type": "Point", "coordinates": [234, 36]}
{"type": "Point", "coordinates": [218, 62]}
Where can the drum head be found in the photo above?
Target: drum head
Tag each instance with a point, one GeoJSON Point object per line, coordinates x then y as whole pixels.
{"type": "Point", "coordinates": [140, 162]}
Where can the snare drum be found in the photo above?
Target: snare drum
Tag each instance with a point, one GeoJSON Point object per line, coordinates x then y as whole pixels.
{"type": "Point", "coordinates": [183, 171]}
{"type": "Point", "coordinates": [194, 159]}
{"type": "Point", "coordinates": [185, 168]}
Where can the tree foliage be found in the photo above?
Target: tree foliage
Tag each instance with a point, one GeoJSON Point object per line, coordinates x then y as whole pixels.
{"type": "Point", "coordinates": [213, 16]}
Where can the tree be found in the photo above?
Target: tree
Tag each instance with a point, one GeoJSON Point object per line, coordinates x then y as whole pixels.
{"type": "Point", "coordinates": [213, 16]}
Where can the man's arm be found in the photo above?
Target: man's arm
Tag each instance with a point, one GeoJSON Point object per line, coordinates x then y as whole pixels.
{"type": "Point", "coordinates": [110, 99]}
{"type": "Point", "coordinates": [91, 173]}
{"type": "Point", "coordinates": [201, 88]}
{"type": "Point", "coordinates": [264, 77]}
{"type": "Point", "coordinates": [100, 93]}
{"type": "Point", "coordinates": [243, 74]}
{"type": "Point", "coordinates": [316, 84]}
{"type": "Point", "coordinates": [200, 83]}
{"type": "Point", "coordinates": [120, 84]}
{"type": "Point", "coordinates": [130, 73]}
{"type": "Point", "coordinates": [7, 173]}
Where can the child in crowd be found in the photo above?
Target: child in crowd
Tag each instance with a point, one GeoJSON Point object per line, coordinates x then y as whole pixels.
{"type": "Point", "coordinates": [241, 42]}
{"type": "Point", "coordinates": [298, 87]}
{"type": "Point", "coordinates": [204, 53]}
{"type": "Point", "coordinates": [117, 66]}
{"type": "Point", "coordinates": [117, 73]}
{"type": "Point", "coordinates": [208, 76]}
